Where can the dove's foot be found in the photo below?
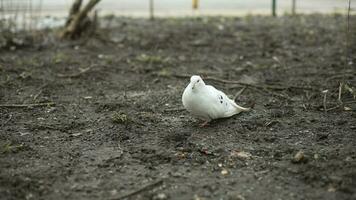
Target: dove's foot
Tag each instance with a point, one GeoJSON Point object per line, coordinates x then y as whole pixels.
{"type": "Point", "coordinates": [206, 123]}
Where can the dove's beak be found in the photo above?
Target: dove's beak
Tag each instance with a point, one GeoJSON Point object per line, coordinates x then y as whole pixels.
{"type": "Point", "coordinates": [193, 85]}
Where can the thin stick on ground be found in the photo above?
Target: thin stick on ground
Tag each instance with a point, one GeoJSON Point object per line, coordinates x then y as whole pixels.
{"type": "Point", "coordinates": [74, 75]}
{"type": "Point", "coordinates": [257, 87]}
{"type": "Point", "coordinates": [40, 91]}
{"type": "Point", "coordinates": [145, 188]}
{"type": "Point", "coordinates": [27, 105]}
{"type": "Point", "coordinates": [340, 93]}
{"type": "Point", "coordinates": [174, 110]}
{"type": "Point", "coordinates": [338, 106]}
{"type": "Point", "coordinates": [239, 93]}
{"type": "Point", "coordinates": [266, 86]}
{"type": "Point", "coordinates": [324, 100]}
{"type": "Point", "coordinates": [341, 75]}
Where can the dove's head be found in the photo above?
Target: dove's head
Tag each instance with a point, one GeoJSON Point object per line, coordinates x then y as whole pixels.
{"type": "Point", "coordinates": [196, 82]}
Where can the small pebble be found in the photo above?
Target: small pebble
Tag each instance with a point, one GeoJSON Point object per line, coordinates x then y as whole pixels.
{"type": "Point", "coordinates": [347, 108]}
{"type": "Point", "coordinates": [241, 155]}
{"type": "Point", "coordinates": [160, 196]}
{"type": "Point", "coordinates": [348, 159]}
{"type": "Point", "coordinates": [224, 172]}
{"type": "Point", "coordinates": [331, 189]}
{"type": "Point", "coordinates": [113, 192]}
{"type": "Point", "coordinates": [299, 157]}
{"type": "Point", "coordinates": [316, 156]}
{"type": "Point", "coordinates": [76, 134]}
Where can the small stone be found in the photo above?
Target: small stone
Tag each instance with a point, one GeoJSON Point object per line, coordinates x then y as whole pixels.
{"type": "Point", "coordinates": [182, 58]}
{"type": "Point", "coordinates": [224, 172]}
{"type": "Point", "coordinates": [235, 196]}
{"type": "Point", "coordinates": [24, 133]}
{"type": "Point", "coordinates": [221, 27]}
{"type": "Point", "coordinates": [347, 108]}
{"type": "Point", "coordinates": [348, 159]}
{"type": "Point", "coordinates": [196, 197]}
{"type": "Point", "coordinates": [299, 157]}
{"type": "Point", "coordinates": [29, 196]}
{"type": "Point", "coordinates": [331, 189]}
{"type": "Point", "coordinates": [51, 109]}
{"type": "Point", "coordinates": [316, 156]}
{"type": "Point", "coordinates": [76, 134]}
{"type": "Point", "coordinates": [160, 196]}
{"type": "Point", "coordinates": [113, 192]}
{"type": "Point", "coordinates": [241, 155]}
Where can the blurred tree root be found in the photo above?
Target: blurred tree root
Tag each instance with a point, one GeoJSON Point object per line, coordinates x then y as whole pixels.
{"type": "Point", "coordinates": [78, 20]}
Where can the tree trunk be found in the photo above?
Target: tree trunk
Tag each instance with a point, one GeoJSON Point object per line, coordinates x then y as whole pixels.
{"type": "Point", "coordinates": [78, 20]}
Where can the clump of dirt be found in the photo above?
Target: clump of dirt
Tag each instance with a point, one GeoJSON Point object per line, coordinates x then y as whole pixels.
{"type": "Point", "coordinates": [101, 118]}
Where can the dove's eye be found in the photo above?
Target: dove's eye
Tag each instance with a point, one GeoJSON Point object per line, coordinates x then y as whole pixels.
{"type": "Point", "coordinates": [198, 81]}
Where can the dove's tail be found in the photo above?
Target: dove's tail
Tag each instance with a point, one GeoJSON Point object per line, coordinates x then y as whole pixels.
{"type": "Point", "coordinates": [237, 109]}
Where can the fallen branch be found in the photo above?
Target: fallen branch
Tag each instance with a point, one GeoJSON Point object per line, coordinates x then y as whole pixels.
{"type": "Point", "coordinates": [324, 100]}
{"type": "Point", "coordinates": [278, 94]}
{"type": "Point", "coordinates": [74, 75]}
{"type": "Point", "coordinates": [271, 93]}
{"type": "Point", "coordinates": [265, 86]}
{"type": "Point", "coordinates": [174, 110]}
{"type": "Point", "coordinates": [340, 93]}
{"type": "Point", "coordinates": [27, 105]}
{"type": "Point", "coordinates": [145, 188]}
{"type": "Point", "coordinates": [40, 91]}
{"type": "Point", "coordinates": [342, 75]}
{"type": "Point", "coordinates": [239, 93]}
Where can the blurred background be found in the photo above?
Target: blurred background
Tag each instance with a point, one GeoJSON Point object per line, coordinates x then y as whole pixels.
{"type": "Point", "coordinates": [51, 13]}
{"type": "Point", "coordinates": [90, 99]}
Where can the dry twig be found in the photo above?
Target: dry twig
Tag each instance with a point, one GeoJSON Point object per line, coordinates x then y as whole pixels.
{"type": "Point", "coordinates": [324, 100]}
{"type": "Point", "coordinates": [27, 105]}
{"type": "Point", "coordinates": [340, 93]}
{"type": "Point", "coordinates": [174, 109]}
{"type": "Point", "coordinates": [40, 91]}
{"type": "Point", "coordinates": [266, 86]}
{"type": "Point", "coordinates": [341, 75]}
{"type": "Point", "coordinates": [239, 93]}
{"type": "Point", "coordinates": [74, 75]}
{"type": "Point", "coordinates": [145, 188]}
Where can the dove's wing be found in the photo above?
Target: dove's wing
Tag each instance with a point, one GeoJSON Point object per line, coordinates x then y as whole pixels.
{"type": "Point", "coordinates": [222, 105]}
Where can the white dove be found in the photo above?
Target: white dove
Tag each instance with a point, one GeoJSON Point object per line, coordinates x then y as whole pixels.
{"type": "Point", "coordinates": [208, 103]}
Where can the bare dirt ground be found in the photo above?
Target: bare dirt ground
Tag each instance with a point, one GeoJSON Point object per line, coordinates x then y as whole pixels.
{"type": "Point", "coordinates": [107, 120]}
